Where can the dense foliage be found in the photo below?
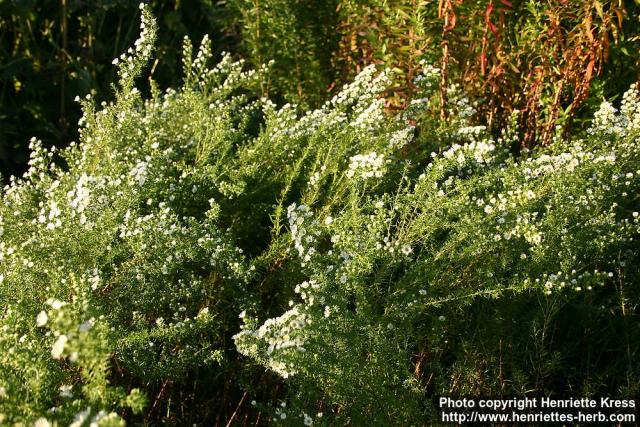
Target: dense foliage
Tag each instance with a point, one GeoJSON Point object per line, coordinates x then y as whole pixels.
{"type": "Point", "coordinates": [51, 51]}
{"type": "Point", "coordinates": [553, 60]}
{"type": "Point", "coordinates": [205, 256]}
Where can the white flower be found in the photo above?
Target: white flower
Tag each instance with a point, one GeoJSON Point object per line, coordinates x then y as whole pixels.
{"type": "Point", "coordinates": [55, 304]}
{"type": "Point", "coordinates": [65, 390]}
{"type": "Point", "coordinates": [442, 318]}
{"type": "Point", "coordinates": [3, 392]}
{"type": "Point", "coordinates": [42, 422]}
{"type": "Point", "coordinates": [406, 249]}
{"type": "Point", "coordinates": [308, 421]}
{"type": "Point", "coordinates": [366, 166]}
{"type": "Point", "coordinates": [80, 418]}
{"type": "Point", "coordinates": [42, 319]}
{"type": "Point", "coordinates": [58, 347]}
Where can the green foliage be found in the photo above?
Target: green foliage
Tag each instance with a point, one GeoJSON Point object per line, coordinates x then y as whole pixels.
{"type": "Point", "coordinates": [50, 51]}
{"type": "Point", "coordinates": [298, 36]}
{"type": "Point", "coordinates": [206, 256]}
{"type": "Point", "coordinates": [553, 61]}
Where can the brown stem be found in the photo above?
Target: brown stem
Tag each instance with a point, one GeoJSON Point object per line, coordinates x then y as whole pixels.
{"type": "Point", "coordinates": [244, 396]}
{"type": "Point", "coordinates": [444, 69]}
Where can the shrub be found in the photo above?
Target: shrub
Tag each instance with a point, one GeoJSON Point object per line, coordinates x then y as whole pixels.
{"type": "Point", "coordinates": [51, 51]}
{"type": "Point", "coordinates": [202, 248]}
{"type": "Point", "coordinates": [553, 61]}
{"type": "Point", "coordinates": [297, 35]}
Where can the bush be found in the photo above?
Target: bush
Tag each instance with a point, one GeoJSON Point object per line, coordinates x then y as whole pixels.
{"type": "Point", "coordinates": [297, 35]}
{"type": "Point", "coordinates": [51, 51]}
{"type": "Point", "coordinates": [202, 248]}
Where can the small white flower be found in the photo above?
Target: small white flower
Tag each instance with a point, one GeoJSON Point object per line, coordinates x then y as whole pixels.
{"type": "Point", "coordinates": [308, 421]}
{"type": "Point", "coordinates": [366, 165]}
{"type": "Point", "coordinates": [56, 304]}
{"type": "Point", "coordinates": [42, 422]}
{"type": "Point", "coordinates": [42, 319]}
{"type": "Point", "coordinates": [442, 318]}
{"type": "Point", "coordinates": [81, 417]}
{"type": "Point", "coordinates": [65, 390]}
{"type": "Point", "coordinates": [58, 347]}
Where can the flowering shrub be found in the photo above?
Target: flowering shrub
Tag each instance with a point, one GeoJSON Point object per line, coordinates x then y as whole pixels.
{"type": "Point", "coordinates": [202, 248]}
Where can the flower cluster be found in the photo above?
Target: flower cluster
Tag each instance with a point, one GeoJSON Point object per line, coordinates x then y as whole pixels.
{"type": "Point", "coordinates": [607, 121]}
{"type": "Point", "coordinates": [281, 335]}
{"type": "Point", "coordinates": [299, 218]}
{"type": "Point", "coordinates": [478, 151]}
{"type": "Point", "coordinates": [366, 166]}
{"type": "Point", "coordinates": [130, 63]}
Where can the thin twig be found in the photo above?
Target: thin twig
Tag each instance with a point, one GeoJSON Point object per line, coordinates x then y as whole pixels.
{"type": "Point", "coordinates": [155, 402]}
{"type": "Point", "coordinates": [237, 408]}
